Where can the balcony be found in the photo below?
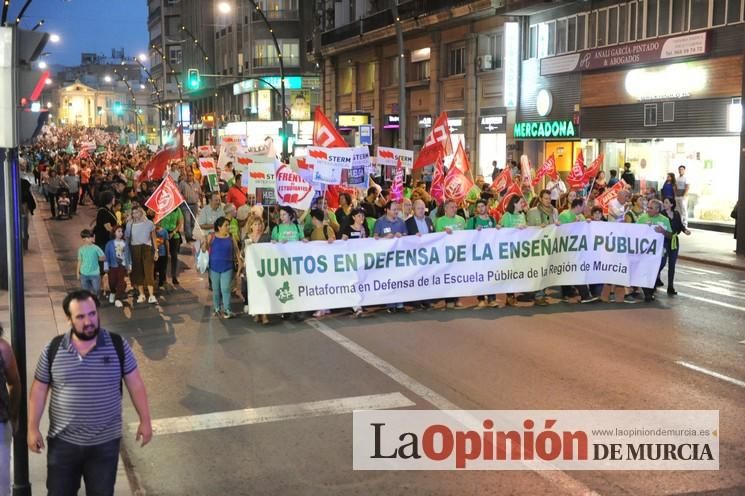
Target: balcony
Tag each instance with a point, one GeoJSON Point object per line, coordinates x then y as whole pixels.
{"type": "Point", "coordinates": [277, 15]}
{"type": "Point", "coordinates": [155, 14]}
{"type": "Point", "coordinates": [290, 61]}
{"type": "Point", "coordinates": [530, 7]}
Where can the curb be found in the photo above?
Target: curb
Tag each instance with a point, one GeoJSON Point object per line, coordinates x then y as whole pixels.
{"type": "Point", "coordinates": [705, 261]}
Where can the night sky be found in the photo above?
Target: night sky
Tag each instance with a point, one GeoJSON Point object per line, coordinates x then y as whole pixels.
{"type": "Point", "coordinates": [87, 26]}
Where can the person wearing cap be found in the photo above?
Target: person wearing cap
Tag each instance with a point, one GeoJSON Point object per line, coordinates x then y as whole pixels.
{"type": "Point", "coordinates": [89, 256]}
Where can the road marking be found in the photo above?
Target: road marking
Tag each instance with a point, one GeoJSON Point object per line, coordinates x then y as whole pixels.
{"type": "Point", "coordinates": [713, 302]}
{"type": "Point", "coordinates": [556, 477]}
{"type": "Point", "coordinates": [696, 270]}
{"type": "Point", "coordinates": [708, 288]}
{"type": "Point", "coordinates": [249, 416]}
{"type": "Point", "coordinates": [711, 373]}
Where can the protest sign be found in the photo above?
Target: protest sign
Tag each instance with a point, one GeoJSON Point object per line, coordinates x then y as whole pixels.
{"type": "Point", "coordinates": [295, 277]}
{"type": "Point", "coordinates": [391, 156]}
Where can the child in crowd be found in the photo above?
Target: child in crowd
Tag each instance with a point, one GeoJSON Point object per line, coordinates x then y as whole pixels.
{"type": "Point", "coordinates": [163, 249]}
{"type": "Point", "coordinates": [118, 264]}
{"type": "Point", "coordinates": [63, 205]}
{"type": "Point", "coordinates": [89, 256]}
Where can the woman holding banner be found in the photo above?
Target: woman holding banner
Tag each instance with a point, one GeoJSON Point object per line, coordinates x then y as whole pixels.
{"type": "Point", "coordinates": [254, 233]}
{"type": "Point", "coordinates": [224, 260]}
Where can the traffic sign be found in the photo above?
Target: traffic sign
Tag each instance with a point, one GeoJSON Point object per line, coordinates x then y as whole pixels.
{"type": "Point", "coordinates": [366, 135]}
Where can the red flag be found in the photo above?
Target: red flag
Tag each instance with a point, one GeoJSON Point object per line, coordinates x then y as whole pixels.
{"type": "Point", "coordinates": [457, 185]}
{"type": "Point", "coordinates": [547, 169]}
{"type": "Point", "coordinates": [156, 168]}
{"type": "Point", "coordinates": [437, 189]}
{"type": "Point", "coordinates": [594, 169]}
{"type": "Point", "coordinates": [576, 177]}
{"type": "Point", "coordinates": [460, 160]}
{"type": "Point", "coordinates": [324, 133]}
{"type": "Point", "coordinates": [502, 181]}
{"type": "Point", "coordinates": [397, 189]}
{"type": "Point", "coordinates": [437, 141]}
{"type": "Point", "coordinates": [604, 200]}
{"type": "Point", "coordinates": [513, 190]}
{"type": "Point", "coordinates": [165, 199]}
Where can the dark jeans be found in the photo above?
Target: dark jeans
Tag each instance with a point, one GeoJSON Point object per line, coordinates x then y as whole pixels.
{"type": "Point", "coordinates": [67, 462]}
{"type": "Point", "coordinates": [672, 255]}
{"type": "Point", "coordinates": [174, 246]}
{"type": "Point", "coordinates": [161, 267]}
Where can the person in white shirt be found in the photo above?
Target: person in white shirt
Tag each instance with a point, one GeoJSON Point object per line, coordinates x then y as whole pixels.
{"type": "Point", "coordinates": [557, 188]}
{"type": "Point", "coordinates": [617, 206]}
{"type": "Point", "coordinates": [681, 195]}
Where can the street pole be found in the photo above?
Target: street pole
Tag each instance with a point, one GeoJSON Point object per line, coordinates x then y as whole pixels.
{"type": "Point", "coordinates": [401, 78]}
{"type": "Point", "coordinates": [285, 144]}
{"type": "Point", "coordinates": [740, 222]}
{"type": "Point", "coordinates": [21, 484]}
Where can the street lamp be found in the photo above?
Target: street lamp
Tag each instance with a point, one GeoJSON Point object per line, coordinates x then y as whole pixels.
{"type": "Point", "coordinates": [54, 38]}
{"type": "Point", "coordinates": [43, 65]}
{"type": "Point", "coordinates": [142, 57]}
{"type": "Point", "coordinates": [107, 78]}
{"type": "Point", "coordinates": [224, 7]}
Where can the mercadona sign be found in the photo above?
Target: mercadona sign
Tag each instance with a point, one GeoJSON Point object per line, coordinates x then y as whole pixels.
{"type": "Point", "coordinates": [547, 129]}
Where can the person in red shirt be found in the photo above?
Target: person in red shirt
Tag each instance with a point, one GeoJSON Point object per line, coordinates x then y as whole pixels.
{"type": "Point", "coordinates": [237, 194]}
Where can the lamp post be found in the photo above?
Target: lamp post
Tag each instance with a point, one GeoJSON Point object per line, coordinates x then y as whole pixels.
{"type": "Point", "coordinates": [401, 78]}
{"type": "Point", "coordinates": [151, 80]}
{"type": "Point", "coordinates": [285, 152]}
{"type": "Point", "coordinates": [165, 79]}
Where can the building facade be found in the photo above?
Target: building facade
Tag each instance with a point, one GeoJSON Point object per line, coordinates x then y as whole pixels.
{"type": "Point", "coordinates": [108, 105]}
{"type": "Point", "coordinates": [655, 83]}
{"type": "Point", "coordinates": [456, 62]}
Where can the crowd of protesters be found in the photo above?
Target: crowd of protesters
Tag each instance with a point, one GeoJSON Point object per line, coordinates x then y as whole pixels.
{"type": "Point", "coordinates": [122, 242]}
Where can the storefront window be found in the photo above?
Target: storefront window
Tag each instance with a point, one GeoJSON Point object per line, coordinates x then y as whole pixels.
{"type": "Point", "coordinates": [712, 168]}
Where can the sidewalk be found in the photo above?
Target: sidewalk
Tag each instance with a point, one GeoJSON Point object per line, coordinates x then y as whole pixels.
{"type": "Point", "coordinates": [44, 291]}
{"type": "Point", "coordinates": [711, 247]}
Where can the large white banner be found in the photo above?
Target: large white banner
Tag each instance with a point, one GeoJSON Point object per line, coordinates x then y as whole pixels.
{"type": "Point", "coordinates": [296, 277]}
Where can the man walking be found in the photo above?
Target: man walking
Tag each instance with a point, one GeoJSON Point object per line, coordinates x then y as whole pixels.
{"type": "Point", "coordinates": [84, 369]}
{"type": "Point", "coordinates": [192, 193]}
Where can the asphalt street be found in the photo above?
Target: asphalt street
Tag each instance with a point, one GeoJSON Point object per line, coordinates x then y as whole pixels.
{"type": "Point", "coordinates": [683, 352]}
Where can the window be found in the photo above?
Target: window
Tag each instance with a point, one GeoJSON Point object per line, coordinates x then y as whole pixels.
{"type": "Point", "coordinates": [663, 18]}
{"type": "Point", "coordinates": [612, 25]}
{"type": "Point", "coordinates": [392, 77]}
{"type": "Point", "coordinates": [581, 32]}
{"type": "Point", "coordinates": [551, 38]}
{"type": "Point", "coordinates": [240, 63]}
{"type": "Point", "coordinates": [344, 81]}
{"type": "Point", "coordinates": [640, 20]}
{"type": "Point", "coordinates": [542, 40]}
{"type": "Point", "coordinates": [734, 13]}
{"type": "Point", "coordinates": [632, 21]}
{"type": "Point", "coordinates": [623, 24]}
{"type": "Point", "coordinates": [592, 30]}
{"type": "Point", "coordinates": [366, 77]}
{"type": "Point", "coordinates": [456, 60]}
{"type": "Point", "coordinates": [265, 53]}
{"type": "Point", "coordinates": [278, 9]}
{"type": "Point", "coordinates": [680, 16]}
{"type": "Point", "coordinates": [174, 55]}
{"type": "Point", "coordinates": [494, 45]}
{"type": "Point", "coordinates": [420, 71]}
{"type": "Point", "coordinates": [602, 38]}
{"type": "Point", "coordinates": [572, 34]}
{"type": "Point", "coordinates": [561, 36]}
{"type": "Point", "coordinates": [290, 52]}
{"type": "Point", "coordinates": [650, 115]}
{"type": "Point", "coordinates": [699, 14]}
{"type": "Point", "coordinates": [651, 30]}
{"type": "Point", "coordinates": [719, 12]}
{"type": "Point", "coordinates": [173, 25]}
{"type": "Point", "coordinates": [533, 48]}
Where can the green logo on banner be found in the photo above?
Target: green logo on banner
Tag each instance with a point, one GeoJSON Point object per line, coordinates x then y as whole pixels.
{"type": "Point", "coordinates": [284, 294]}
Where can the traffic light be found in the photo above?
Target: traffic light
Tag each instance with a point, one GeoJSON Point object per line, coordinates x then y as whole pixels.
{"type": "Point", "coordinates": [193, 79]}
{"type": "Point", "coordinates": [289, 136]}
{"type": "Point", "coordinates": [118, 109]}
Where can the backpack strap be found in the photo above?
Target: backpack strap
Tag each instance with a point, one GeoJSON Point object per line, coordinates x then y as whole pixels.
{"type": "Point", "coordinates": [52, 353]}
{"type": "Point", "coordinates": [118, 343]}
